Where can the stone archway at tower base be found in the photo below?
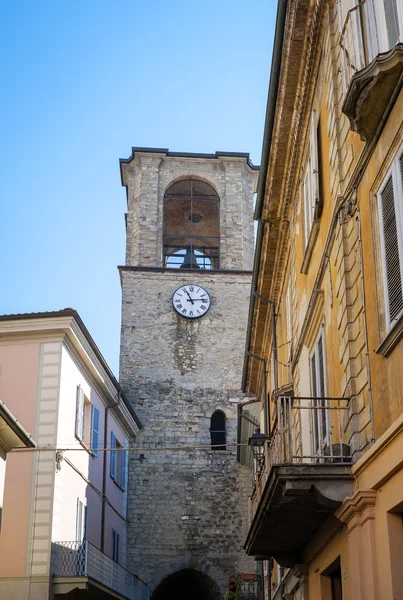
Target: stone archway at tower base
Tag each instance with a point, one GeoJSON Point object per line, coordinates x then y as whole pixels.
{"type": "Point", "coordinates": [187, 584]}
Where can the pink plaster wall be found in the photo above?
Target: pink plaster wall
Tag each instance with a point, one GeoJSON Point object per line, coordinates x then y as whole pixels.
{"type": "Point", "coordinates": [18, 384]}
{"type": "Point", "coordinates": [18, 381]}
{"type": "Point", "coordinates": [14, 526]}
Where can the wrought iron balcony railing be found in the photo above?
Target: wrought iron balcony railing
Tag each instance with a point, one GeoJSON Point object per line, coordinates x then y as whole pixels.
{"type": "Point", "coordinates": [367, 32]}
{"type": "Point", "coordinates": [306, 430]}
{"type": "Point", "coordinates": [82, 559]}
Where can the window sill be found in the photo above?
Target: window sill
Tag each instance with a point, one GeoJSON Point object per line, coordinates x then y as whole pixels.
{"type": "Point", "coordinates": [392, 339]}
{"type": "Point", "coordinates": [313, 236]}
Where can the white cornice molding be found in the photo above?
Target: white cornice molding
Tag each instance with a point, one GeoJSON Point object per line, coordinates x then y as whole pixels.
{"type": "Point", "coordinates": [62, 328]}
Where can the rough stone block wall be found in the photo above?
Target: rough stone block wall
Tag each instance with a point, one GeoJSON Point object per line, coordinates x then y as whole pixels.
{"type": "Point", "coordinates": [187, 507]}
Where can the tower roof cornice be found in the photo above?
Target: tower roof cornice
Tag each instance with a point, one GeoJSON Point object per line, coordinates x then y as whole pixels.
{"type": "Point", "coordinates": [166, 153]}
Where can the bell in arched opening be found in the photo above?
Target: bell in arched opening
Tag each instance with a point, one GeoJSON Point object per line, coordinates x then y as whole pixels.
{"type": "Point", "coordinates": [191, 226]}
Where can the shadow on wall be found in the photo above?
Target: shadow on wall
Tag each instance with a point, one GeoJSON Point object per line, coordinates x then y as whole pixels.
{"type": "Point", "coordinates": [187, 584]}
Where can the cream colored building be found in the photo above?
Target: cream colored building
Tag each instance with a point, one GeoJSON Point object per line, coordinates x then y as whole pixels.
{"type": "Point", "coordinates": [324, 348]}
{"type": "Point", "coordinates": [64, 517]}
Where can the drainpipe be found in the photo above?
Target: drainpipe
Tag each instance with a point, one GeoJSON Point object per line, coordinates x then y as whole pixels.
{"type": "Point", "coordinates": [108, 408]}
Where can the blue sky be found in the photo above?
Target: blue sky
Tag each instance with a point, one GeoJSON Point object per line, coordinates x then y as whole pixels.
{"type": "Point", "coordinates": [83, 81]}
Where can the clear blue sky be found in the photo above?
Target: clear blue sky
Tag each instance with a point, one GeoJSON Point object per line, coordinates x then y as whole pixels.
{"type": "Point", "coordinates": [83, 81]}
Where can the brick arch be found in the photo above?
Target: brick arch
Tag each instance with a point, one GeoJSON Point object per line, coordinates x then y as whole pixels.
{"type": "Point", "coordinates": [191, 223]}
{"type": "Point", "coordinates": [195, 177]}
{"type": "Point", "coordinates": [187, 583]}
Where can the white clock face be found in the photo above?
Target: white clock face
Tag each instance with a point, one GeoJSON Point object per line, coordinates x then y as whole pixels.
{"type": "Point", "coordinates": [191, 301]}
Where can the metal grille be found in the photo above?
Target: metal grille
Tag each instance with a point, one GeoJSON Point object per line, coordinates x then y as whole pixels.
{"type": "Point", "coordinates": [391, 247]}
{"type": "Point", "coordinates": [248, 587]}
{"type": "Point", "coordinates": [82, 559]}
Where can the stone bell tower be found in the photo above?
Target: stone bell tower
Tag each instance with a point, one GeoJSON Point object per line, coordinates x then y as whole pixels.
{"type": "Point", "coordinates": [185, 297]}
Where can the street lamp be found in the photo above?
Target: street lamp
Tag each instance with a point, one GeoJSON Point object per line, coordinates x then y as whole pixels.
{"type": "Point", "coordinates": [257, 441]}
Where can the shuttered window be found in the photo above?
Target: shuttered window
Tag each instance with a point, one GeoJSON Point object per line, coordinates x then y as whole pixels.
{"type": "Point", "coordinates": [115, 545]}
{"type": "Point", "coordinates": [311, 183]}
{"type": "Point", "coordinates": [80, 413]}
{"type": "Point", "coordinates": [113, 456]}
{"type": "Point", "coordinates": [123, 468]}
{"type": "Point", "coordinates": [318, 402]}
{"type": "Point", "coordinates": [390, 200]}
{"type": "Point", "coordinates": [81, 521]}
{"type": "Point", "coordinates": [94, 430]}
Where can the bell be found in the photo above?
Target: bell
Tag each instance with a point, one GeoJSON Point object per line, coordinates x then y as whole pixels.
{"type": "Point", "coordinates": [190, 260]}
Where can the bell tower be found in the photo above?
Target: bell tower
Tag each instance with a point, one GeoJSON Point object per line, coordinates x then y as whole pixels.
{"type": "Point", "coordinates": [185, 297]}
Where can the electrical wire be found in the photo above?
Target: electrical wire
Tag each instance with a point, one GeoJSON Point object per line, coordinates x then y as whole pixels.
{"type": "Point", "coordinates": [80, 448]}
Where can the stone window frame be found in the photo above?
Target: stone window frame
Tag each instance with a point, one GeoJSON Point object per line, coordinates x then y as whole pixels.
{"type": "Point", "coordinates": [311, 176]}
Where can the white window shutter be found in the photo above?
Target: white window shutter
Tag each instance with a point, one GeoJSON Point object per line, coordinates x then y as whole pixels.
{"type": "Point", "coordinates": [94, 430]}
{"type": "Point", "coordinates": [113, 456]}
{"type": "Point", "coordinates": [393, 277]}
{"type": "Point", "coordinates": [80, 415]}
{"type": "Point", "coordinates": [314, 164]}
{"type": "Point", "coordinates": [307, 195]}
{"type": "Point", "coordinates": [81, 521]}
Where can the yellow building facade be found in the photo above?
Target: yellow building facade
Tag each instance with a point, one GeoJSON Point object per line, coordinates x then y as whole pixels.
{"type": "Point", "coordinates": [324, 352]}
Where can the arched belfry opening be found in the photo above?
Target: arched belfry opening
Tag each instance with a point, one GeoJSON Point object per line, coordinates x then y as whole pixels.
{"type": "Point", "coordinates": [187, 584]}
{"type": "Point", "coordinates": [191, 225]}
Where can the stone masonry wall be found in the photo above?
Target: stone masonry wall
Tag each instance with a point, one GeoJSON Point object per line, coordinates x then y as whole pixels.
{"type": "Point", "coordinates": [147, 178]}
{"type": "Point", "coordinates": [187, 507]}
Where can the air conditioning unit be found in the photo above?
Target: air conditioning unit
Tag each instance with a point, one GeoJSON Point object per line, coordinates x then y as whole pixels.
{"type": "Point", "coordinates": [337, 453]}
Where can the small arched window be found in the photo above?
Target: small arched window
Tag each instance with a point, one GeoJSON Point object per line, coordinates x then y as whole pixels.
{"type": "Point", "coordinates": [217, 430]}
{"type": "Point", "coordinates": [191, 226]}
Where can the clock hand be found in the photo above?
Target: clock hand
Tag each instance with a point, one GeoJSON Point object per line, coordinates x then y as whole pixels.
{"type": "Point", "coordinates": [190, 299]}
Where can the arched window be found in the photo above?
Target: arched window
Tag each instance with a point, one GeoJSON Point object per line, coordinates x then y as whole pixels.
{"type": "Point", "coordinates": [191, 226]}
{"type": "Point", "coordinates": [217, 430]}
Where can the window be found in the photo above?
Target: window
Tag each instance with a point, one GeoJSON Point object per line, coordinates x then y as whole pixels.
{"type": "Point", "coordinates": [288, 324]}
{"type": "Point", "coordinates": [367, 29]}
{"type": "Point", "coordinates": [81, 521]}
{"type": "Point", "coordinates": [80, 414]}
{"type": "Point", "coordinates": [390, 200]}
{"type": "Point", "coordinates": [318, 402]}
{"type": "Point", "coordinates": [94, 430]}
{"type": "Point", "coordinates": [118, 462]}
{"type": "Point", "coordinates": [115, 545]}
{"type": "Point", "coordinates": [217, 430]}
{"type": "Point", "coordinates": [311, 180]}
{"type": "Point", "coordinates": [87, 421]}
{"type": "Point", "coordinates": [191, 226]}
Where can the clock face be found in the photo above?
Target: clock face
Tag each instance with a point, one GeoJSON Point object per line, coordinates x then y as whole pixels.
{"type": "Point", "coordinates": [191, 301]}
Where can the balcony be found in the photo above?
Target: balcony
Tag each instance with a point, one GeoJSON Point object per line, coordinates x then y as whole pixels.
{"type": "Point", "coordinates": [303, 477]}
{"type": "Point", "coordinates": [82, 567]}
{"type": "Point", "coordinates": [372, 56]}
